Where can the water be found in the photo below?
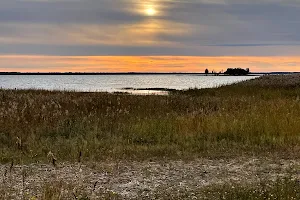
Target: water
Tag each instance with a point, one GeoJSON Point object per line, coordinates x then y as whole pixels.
{"type": "Point", "coordinates": [116, 83]}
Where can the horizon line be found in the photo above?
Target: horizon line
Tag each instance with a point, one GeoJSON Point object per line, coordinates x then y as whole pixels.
{"type": "Point", "coordinates": [116, 73]}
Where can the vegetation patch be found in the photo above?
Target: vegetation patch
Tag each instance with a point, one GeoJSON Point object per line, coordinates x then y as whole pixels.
{"type": "Point", "coordinates": [252, 117]}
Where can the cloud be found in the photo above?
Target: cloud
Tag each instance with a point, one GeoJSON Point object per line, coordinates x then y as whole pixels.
{"type": "Point", "coordinates": [136, 34]}
{"type": "Point", "coordinates": [121, 27]}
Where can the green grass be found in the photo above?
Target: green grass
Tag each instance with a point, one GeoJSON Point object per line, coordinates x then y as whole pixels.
{"type": "Point", "coordinates": [252, 117]}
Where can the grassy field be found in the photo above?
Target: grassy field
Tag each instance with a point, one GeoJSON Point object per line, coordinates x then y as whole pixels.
{"type": "Point", "coordinates": [119, 137]}
{"type": "Point", "coordinates": [261, 115]}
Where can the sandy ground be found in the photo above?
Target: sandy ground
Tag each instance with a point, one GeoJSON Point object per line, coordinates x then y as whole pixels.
{"type": "Point", "coordinates": [129, 180]}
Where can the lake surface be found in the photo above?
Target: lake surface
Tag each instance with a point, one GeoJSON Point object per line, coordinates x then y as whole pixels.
{"type": "Point", "coordinates": [116, 83]}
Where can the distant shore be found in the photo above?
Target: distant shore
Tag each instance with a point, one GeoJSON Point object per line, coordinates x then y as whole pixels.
{"type": "Point", "coordinates": [133, 73]}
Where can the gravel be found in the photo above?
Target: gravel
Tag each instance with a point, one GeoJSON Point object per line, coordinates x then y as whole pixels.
{"type": "Point", "coordinates": [135, 180]}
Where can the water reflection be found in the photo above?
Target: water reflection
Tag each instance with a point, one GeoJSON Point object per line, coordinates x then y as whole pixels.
{"type": "Point", "coordinates": [116, 83]}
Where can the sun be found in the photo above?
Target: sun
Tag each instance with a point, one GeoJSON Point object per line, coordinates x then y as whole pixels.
{"type": "Point", "coordinates": [150, 11]}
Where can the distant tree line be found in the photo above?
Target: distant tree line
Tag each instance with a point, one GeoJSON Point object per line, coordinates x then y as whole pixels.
{"type": "Point", "coordinates": [231, 71]}
{"type": "Point", "coordinates": [213, 72]}
{"type": "Point", "coordinates": [237, 71]}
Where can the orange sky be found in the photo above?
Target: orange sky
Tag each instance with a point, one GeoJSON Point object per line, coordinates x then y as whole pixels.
{"type": "Point", "coordinates": [37, 63]}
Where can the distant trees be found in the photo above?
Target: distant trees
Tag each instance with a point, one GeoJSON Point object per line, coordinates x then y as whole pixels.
{"type": "Point", "coordinates": [230, 71]}
{"type": "Point", "coordinates": [237, 71]}
{"type": "Point", "coordinates": [206, 71]}
{"type": "Point", "coordinates": [213, 72]}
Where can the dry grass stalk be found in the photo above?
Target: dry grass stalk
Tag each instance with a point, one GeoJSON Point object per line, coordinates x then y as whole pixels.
{"type": "Point", "coordinates": [52, 158]}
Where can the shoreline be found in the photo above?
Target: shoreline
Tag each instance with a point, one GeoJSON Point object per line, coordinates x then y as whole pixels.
{"type": "Point", "coordinates": [138, 73]}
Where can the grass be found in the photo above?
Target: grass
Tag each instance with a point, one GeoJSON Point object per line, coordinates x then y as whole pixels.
{"type": "Point", "coordinates": [59, 190]}
{"type": "Point", "coordinates": [261, 115]}
{"type": "Point", "coordinates": [280, 189]}
{"type": "Point", "coordinates": [284, 189]}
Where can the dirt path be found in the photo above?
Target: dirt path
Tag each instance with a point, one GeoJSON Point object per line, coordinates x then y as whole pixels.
{"type": "Point", "coordinates": [136, 179]}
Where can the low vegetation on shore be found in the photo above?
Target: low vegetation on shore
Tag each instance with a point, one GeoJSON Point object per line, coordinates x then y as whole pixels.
{"type": "Point", "coordinates": [252, 117]}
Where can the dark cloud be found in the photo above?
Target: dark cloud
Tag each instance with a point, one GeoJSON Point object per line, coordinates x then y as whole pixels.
{"type": "Point", "coordinates": [84, 11]}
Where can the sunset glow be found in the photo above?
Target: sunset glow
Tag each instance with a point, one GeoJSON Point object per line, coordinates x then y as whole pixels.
{"type": "Point", "coordinates": [150, 11]}
{"type": "Point", "coordinates": [39, 63]}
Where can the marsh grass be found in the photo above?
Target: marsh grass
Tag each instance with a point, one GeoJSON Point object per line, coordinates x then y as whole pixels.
{"type": "Point", "coordinates": [252, 117]}
{"type": "Point", "coordinates": [286, 188]}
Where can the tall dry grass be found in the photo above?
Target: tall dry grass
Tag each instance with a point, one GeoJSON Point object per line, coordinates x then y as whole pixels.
{"type": "Point", "coordinates": [261, 115]}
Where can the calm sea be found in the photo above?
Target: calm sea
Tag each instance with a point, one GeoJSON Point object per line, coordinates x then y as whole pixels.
{"type": "Point", "coordinates": [115, 83]}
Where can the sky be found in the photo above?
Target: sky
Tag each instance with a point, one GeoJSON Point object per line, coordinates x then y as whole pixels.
{"type": "Point", "coordinates": [149, 35]}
